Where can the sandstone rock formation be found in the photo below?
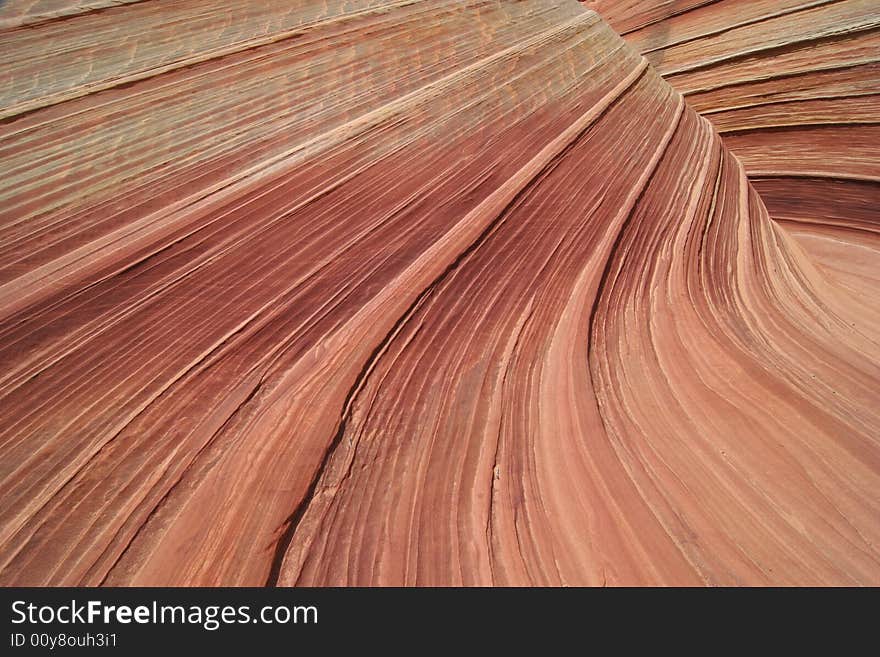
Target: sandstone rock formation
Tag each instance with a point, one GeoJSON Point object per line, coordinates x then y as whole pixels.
{"type": "Point", "coordinates": [793, 87]}
{"type": "Point", "coordinates": [399, 292]}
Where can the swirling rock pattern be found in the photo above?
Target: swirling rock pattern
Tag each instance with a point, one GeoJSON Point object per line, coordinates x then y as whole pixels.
{"type": "Point", "coordinates": [399, 292]}
{"type": "Point", "coordinates": [794, 89]}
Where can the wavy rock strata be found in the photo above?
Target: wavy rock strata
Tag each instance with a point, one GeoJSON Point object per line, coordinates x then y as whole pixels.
{"type": "Point", "coordinates": [408, 293]}
{"type": "Point", "coordinates": [794, 89]}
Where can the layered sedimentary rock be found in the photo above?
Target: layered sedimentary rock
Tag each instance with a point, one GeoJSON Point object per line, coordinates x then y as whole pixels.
{"type": "Point", "coordinates": [408, 293]}
{"type": "Point", "coordinates": [794, 89]}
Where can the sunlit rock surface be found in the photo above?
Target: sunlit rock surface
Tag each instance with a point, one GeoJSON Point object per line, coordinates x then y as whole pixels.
{"type": "Point", "coordinates": [794, 88]}
{"type": "Point", "coordinates": [427, 293]}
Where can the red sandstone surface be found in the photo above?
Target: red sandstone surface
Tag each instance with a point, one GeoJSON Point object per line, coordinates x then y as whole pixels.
{"type": "Point", "coordinates": [793, 87]}
{"type": "Point", "coordinates": [438, 293]}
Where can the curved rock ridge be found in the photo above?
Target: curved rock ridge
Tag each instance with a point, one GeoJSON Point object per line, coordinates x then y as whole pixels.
{"type": "Point", "coordinates": [413, 293]}
{"type": "Point", "coordinates": [794, 89]}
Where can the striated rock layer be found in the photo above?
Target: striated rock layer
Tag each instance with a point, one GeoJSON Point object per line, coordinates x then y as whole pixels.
{"type": "Point", "coordinates": [398, 292]}
{"type": "Point", "coordinates": [793, 87]}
